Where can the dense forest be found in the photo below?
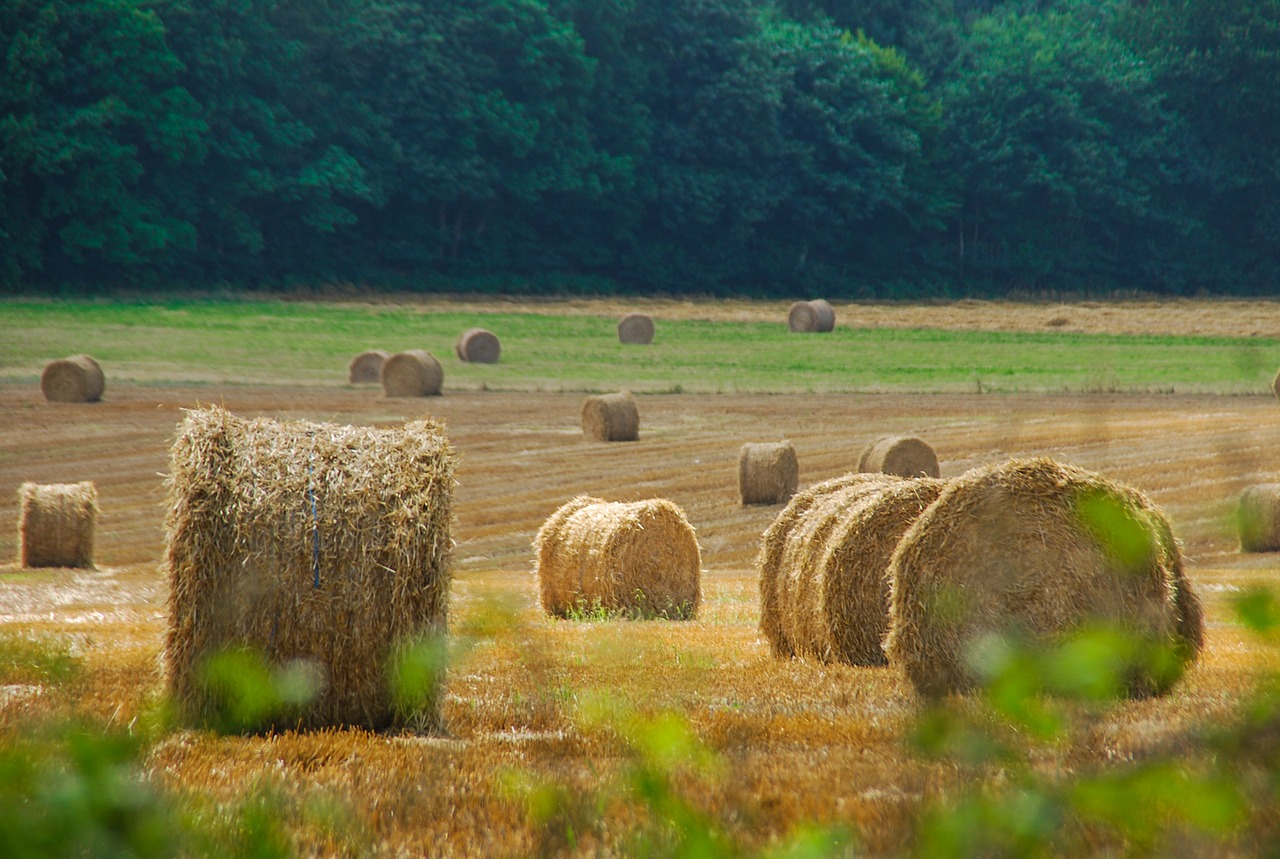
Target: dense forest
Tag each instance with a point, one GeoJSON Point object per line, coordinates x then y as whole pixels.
{"type": "Point", "coordinates": [850, 148]}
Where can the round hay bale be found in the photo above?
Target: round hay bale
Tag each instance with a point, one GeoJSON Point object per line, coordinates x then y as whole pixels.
{"type": "Point", "coordinates": [611, 417]}
{"type": "Point", "coordinates": [849, 603]}
{"type": "Point", "coordinates": [57, 524]}
{"type": "Point", "coordinates": [414, 373]}
{"type": "Point", "coordinates": [308, 543]}
{"type": "Point", "coordinates": [366, 368]}
{"type": "Point", "coordinates": [636, 328]}
{"type": "Point", "coordinates": [1259, 518]}
{"type": "Point", "coordinates": [807, 317]}
{"type": "Point", "coordinates": [784, 542]}
{"type": "Point", "coordinates": [640, 559]}
{"type": "Point", "coordinates": [905, 456]}
{"type": "Point", "coordinates": [1035, 551]}
{"type": "Point", "coordinates": [478, 346]}
{"type": "Point", "coordinates": [767, 472]}
{"type": "Point", "coordinates": [78, 379]}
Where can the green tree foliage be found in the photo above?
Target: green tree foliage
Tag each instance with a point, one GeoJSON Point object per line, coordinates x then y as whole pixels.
{"type": "Point", "coordinates": [1219, 64]}
{"type": "Point", "coordinates": [1066, 152]}
{"type": "Point", "coordinates": [92, 119]}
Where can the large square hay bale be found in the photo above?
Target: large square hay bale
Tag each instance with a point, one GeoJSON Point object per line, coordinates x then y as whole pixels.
{"type": "Point", "coordinates": [57, 524]}
{"type": "Point", "coordinates": [638, 559]}
{"type": "Point", "coordinates": [1035, 551]}
{"type": "Point", "coordinates": [309, 542]}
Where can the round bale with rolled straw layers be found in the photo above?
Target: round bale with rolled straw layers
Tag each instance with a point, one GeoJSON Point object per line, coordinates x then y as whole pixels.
{"type": "Point", "coordinates": [1034, 552]}
{"type": "Point", "coordinates": [639, 560]}
{"type": "Point", "coordinates": [78, 379]}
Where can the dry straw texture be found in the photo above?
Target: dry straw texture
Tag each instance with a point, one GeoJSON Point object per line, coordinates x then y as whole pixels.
{"type": "Point", "coordinates": [1259, 518]}
{"type": "Point", "coordinates": [366, 368]}
{"type": "Point", "coordinates": [611, 417]}
{"type": "Point", "coordinates": [57, 524]}
{"type": "Point", "coordinates": [905, 456]}
{"type": "Point", "coordinates": [1035, 550]}
{"type": "Point", "coordinates": [636, 328]}
{"type": "Point", "coordinates": [816, 316]}
{"type": "Point", "coordinates": [767, 472]}
{"type": "Point", "coordinates": [478, 346]}
{"type": "Point", "coordinates": [1275, 385]}
{"type": "Point", "coordinates": [307, 542]}
{"type": "Point", "coordinates": [639, 559]}
{"type": "Point", "coordinates": [78, 379]}
{"type": "Point", "coordinates": [412, 374]}
{"type": "Point", "coordinates": [784, 545]}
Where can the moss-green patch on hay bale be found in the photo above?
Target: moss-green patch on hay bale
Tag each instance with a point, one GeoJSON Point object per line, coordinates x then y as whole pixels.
{"type": "Point", "coordinates": [313, 544]}
{"type": "Point", "coordinates": [639, 559]}
{"type": "Point", "coordinates": [366, 368]}
{"type": "Point", "coordinates": [415, 373]}
{"type": "Point", "coordinates": [636, 328]}
{"type": "Point", "coordinates": [78, 379]}
{"type": "Point", "coordinates": [905, 456]}
{"type": "Point", "coordinates": [1035, 552]}
{"type": "Point", "coordinates": [478, 346]}
{"type": "Point", "coordinates": [611, 417]}
{"type": "Point", "coordinates": [809, 317]}
{"type": "Point", "coordinates": [1258, 518]}
{"type": "Point", "coordinates": [57, 524]}
{"type": "Point", "coordinates": [768, 472]}
{"type": "Point", "coordinates": [783, 544]}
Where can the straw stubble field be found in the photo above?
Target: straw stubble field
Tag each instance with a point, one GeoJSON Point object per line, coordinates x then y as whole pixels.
{"type": "Point", "coordinates": [536, 704]}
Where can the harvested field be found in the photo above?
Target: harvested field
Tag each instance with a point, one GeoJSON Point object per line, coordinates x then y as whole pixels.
{"type": "Point", "coordinates": [794, 741]}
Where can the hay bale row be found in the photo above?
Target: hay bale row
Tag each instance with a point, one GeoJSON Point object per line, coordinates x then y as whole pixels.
{"type": "Point", "coordinates": [640, 559]}
{"type": "Point", "coordinates": [611, 417]}
{"type": "Point", "coordinates": [310, 543]}
{"type": "Point", "coordinates": [1259, 518]}
{"type": "Point", "coordinates": [1035, 551]}
{"type": "Point", "coordinates": [768, 472]}
{"type": "Point", "coordinates": [809, 317]}
{"type": "Point", "coordinates": [831, 596]}
{"type": "Point", "coordinates": [415, 373]}
{"type": "Point", "coordinates": [783, 544]}
{"type": "Point", "coordinates": [635, 328]}
{"type": "Point", "coordinates": [57, 524]}
{"type": "Point", "coordinates": [78, 379]}
{"type": "Point", "coordinates": [871, 567]}
{"type": "Point", "coordinates": [905, 456]}
{"type": "Point", "coordinates": [478, 346]}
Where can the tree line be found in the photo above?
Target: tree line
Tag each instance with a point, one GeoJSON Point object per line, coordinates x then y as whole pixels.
{"type": "Point", "coordinates": [855, 148]}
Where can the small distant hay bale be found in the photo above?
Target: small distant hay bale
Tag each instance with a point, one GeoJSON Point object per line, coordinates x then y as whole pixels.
{"type": "Point", "coordinates": [784, 542]}
{"type": "Point", "coordinates": [639, 559]}
{"type": "Point", "coordinates": [1036, 551]}
{"type": "Point", "coordinates": [807, 317]}
{"type": "Point", "coordinates": [78, 379]}
{"type": "Point", "coordinates": [767, 472]}
{"type": "Point", "coordinates": [636, 328]}
{"type": "Point", "coordinates": [479, 346]}
{"type": "Point", "coordinates": [1275, 385]}
{"type": "Point", "coordinates": [1259, 518]}
{"type": "Point", "coordinates": [366, 368]}
{"type": "Point", "coordinates": [415, 373]}
{"type": "Point", "coordinates": [905, 456]}
{"type": "Point", "coordinates": [57, 524]}
{"type": "Point", "coordinates": [312, 544]}
{"type": "Point", "coordinates": [611, 417]}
